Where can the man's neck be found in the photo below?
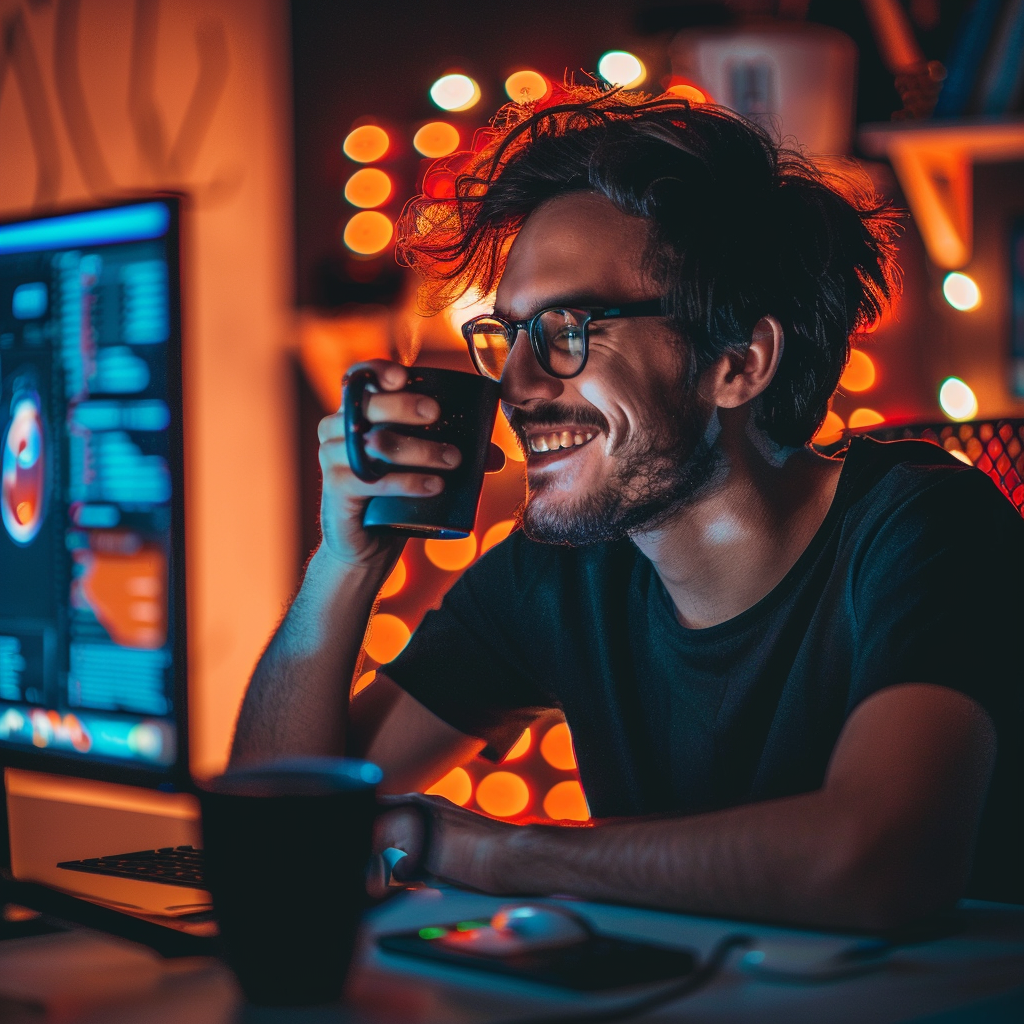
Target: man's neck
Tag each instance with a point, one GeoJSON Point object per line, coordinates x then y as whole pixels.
{"type": "Point", "coordinates": [731, 547]}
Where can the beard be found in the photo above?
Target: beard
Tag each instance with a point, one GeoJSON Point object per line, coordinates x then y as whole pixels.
{"type": "Point", "coordinates": [658, 472]}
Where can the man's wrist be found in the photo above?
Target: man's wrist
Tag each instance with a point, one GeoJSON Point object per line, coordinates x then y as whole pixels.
{"type": "Point", "coordinates": [520, 862]}
{"type": "Point", "coordinates": [332, 571]}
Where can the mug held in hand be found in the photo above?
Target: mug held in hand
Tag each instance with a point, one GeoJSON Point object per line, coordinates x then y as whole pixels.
{"type": "Point", "coordinates": [468, 407]}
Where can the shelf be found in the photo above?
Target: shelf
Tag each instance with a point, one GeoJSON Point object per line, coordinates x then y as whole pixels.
{"type": "Point", "coordinates": [934, 162]}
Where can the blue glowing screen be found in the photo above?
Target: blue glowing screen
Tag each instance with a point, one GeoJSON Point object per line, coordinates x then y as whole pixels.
{"type": "Point", "coordinates": [86, 606]}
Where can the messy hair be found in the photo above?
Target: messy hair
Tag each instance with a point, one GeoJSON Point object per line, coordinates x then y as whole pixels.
{"type": "Point", "coordinates": [739, 228]}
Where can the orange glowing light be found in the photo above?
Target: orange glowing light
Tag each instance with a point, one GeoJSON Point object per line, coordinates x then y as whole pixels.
{"type": "Point", "coordinates": [504, 437]}
{"type": "Point", "coordinates": [565, 802]}
{"type": "Point", "coordinates": [526, 86]}
{"type": "Point", "coordinates": [502, 794]}
{"type": "Point", "coordinates": [962, 456]}
{"type": "Point", "coordinates": [438, 138]}
{"type": "Point", "coordinates": [363, 681]}
{"type": "Point", "coordinates": [369, 186]}
{"type": "Point", "coordinates": [366, 144]}
{"type": "Point", "coordinates": [388, 635]}
{"type": "Point", "coordinates": [23, 513]}
{"type": "Point", "coordinates": [688, 92]}
{"type": "Point", "coordinates": [395, 581]}
{"type": "Point", "coordinates": [556, 748]}
{"type": "Point", "coordinates": [496, 534]}
{"type": "Point", "coordinates": [831, 429]}
{"type": "Point", "coordinates": [451, 555]}
{"type": "Point", "coordinates": [859, 374]}
{"type": "Point", "coordinates": [368, 232]}
{"type": "Point", "coordinates": [520, 747]}
{"type": "Point", "coordinates": [456, 786]}
{"type": "Point", "coordinates": [865, 418]}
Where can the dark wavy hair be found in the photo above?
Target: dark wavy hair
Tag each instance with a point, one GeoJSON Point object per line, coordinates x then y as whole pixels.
{"type": "Point", "coordinates": [739, 228]}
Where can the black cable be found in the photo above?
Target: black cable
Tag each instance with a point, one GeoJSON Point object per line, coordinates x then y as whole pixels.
{"type": "Point", "coordinates": [697, 979]}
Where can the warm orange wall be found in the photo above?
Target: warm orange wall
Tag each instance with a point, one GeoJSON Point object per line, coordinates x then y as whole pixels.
{"type": "Point", "coordinates": [234, 157]}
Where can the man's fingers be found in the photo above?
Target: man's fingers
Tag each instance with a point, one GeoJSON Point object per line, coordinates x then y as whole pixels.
{"type": "Point", "coordinates": [392, 376]}
{"type": "Point", "coordinates": [401, 407]}
{"type": "Point", "coordinates": [402, 828]}
{"type": "Point", "coordinates": [335, 467]}
{"type": "Point", "coordinates": [331, 428]}
{"type": "Point", "coordinates": [401, 450]}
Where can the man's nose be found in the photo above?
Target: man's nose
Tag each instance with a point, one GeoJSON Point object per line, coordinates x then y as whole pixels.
{"type": "Point", "coordinates": [523, 380]}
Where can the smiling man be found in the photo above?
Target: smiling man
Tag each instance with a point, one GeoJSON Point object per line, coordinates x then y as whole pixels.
{"type": "Point", "coordinates": [791, 679]}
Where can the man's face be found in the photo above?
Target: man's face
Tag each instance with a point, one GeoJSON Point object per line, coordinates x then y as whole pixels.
{"type": "Point", "coordinates": [643, 453]}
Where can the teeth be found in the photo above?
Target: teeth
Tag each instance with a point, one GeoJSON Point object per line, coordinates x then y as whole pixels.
{"type": "Point", "coordinates": [554, 441]}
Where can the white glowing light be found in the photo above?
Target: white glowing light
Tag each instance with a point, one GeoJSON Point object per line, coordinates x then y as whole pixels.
{"type": "Point", "coordinates": [617, 67]}
{"type": "Point", "coordinates": [961, 291]}
{"type": "Point", "coordinates": [957, 400]}
{"type": "Point", "coordinates": [455, 92]}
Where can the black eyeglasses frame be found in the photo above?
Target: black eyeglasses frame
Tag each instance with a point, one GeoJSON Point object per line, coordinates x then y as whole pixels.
{"type": "Point", "coordinates": [588, 314]}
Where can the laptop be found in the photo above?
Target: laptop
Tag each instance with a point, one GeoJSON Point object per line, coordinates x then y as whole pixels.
{"type": "Point", "coordinates": [92, 554]}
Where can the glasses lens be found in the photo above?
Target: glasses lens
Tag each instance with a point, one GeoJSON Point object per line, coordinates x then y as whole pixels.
{"type": "Point", "coordinates": [491, 345]}
{"type": "Point", "coordinates": [561, 336]}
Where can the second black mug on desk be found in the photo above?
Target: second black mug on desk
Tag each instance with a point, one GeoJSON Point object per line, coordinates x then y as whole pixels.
{"type": "Point", "coordinates": [286, 846]}
{"type": "Point", "coordinates": [468, 406]}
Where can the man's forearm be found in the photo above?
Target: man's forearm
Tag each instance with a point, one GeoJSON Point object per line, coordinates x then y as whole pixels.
{"type": "Point", "coordinates": [297, 701]}
{"type": "Point", "coordinates": [800, 859]}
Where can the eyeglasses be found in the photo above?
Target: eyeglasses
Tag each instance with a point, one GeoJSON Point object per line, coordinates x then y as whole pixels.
{"type": "Point", "coordinates": [560, 336]}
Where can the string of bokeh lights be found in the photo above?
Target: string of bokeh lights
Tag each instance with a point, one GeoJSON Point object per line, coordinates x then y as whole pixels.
{"type": "Point", "coordinates": [542, 760]}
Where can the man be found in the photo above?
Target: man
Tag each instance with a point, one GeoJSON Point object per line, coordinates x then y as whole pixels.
{"type": "Point", "coordinates": [791, 680]}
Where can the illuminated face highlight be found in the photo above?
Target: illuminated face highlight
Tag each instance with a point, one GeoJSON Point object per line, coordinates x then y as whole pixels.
{"type": "Point", "coordinates": [620, 448]}
{"type": "Point", "coordinates": [23, 472]}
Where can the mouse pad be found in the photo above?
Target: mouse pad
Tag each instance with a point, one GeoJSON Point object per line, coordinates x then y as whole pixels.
{"type": "Point", "coordinates": [600, 962]}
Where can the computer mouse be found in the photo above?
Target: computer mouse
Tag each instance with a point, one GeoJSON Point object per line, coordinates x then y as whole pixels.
{"type": "Point", "coordinates": [813, 959]}
{"type": "Point", "coordinates": [542, 926]}
{"type": "Point", "coordinates": [522, 928]}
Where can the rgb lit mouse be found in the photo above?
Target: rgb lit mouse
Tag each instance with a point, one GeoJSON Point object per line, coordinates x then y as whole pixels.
{"type": "Point", "coordinates": [519, 929]}
{"type": "Point", "coordinates": [542, 926]}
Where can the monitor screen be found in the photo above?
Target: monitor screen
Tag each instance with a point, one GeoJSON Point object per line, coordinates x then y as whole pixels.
{"type": "Point", "coordinates": [92, 677]}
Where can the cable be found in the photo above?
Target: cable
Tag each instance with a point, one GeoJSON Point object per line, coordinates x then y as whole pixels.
{"type": "Point", "coordinates": [697, 979]}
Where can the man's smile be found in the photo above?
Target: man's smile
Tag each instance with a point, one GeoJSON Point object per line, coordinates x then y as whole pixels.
{"type": "Point", "coordinates": [551, 441]}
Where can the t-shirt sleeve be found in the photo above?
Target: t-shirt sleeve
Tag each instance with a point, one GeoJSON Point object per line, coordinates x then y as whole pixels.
{"type": "Point", "coordinates": [938, 597]}
{"type": "Point", "coordinates": [469, 662]}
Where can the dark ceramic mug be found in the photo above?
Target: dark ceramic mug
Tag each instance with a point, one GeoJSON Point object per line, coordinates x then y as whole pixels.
{"type": "Point", "coordinates": [286, 846]}
{"type": "Point", "coordinates": [468, 406]}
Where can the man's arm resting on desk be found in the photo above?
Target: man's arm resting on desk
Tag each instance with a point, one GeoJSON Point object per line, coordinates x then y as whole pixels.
{"type": "Point", "coordinates": [886, 840]}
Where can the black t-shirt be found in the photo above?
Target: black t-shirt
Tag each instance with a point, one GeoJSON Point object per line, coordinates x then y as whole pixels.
{"type": "Point", "coordinates": [915, 575]}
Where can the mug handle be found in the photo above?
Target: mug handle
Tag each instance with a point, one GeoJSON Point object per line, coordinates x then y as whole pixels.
{"type": "Point", "coordinates": [357, 425]}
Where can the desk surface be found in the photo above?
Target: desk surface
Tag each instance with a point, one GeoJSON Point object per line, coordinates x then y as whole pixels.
{"type": "Point", "coordinates": [975, 973]}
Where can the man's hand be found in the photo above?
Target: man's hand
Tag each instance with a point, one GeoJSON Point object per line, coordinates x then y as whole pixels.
{"type": "Point", "coordinates": [345, 496]}
{"type": "Point", "coordinates": [440, 839]}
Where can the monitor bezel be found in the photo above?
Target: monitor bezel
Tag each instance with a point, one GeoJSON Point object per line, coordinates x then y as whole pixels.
{"type": "Point", "coordinates": [174, 776]}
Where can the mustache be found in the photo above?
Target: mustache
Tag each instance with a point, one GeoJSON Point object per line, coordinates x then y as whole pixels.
{"type": "Point", "coordinates": [554, 414]}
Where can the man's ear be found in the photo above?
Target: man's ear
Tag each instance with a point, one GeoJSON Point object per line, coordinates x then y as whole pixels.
{"type": "Point", "coordinates": [739, 377]}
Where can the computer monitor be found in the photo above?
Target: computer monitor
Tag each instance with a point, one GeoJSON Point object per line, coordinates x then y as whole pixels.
{"type": "Point", "coordinates": [92, 610]}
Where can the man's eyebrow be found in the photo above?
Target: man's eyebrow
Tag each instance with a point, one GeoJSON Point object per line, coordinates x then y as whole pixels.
{"type": "Point", "coordinates": [580, 301]}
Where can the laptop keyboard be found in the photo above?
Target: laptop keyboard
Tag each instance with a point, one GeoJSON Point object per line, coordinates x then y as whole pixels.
{"type": "Point", "coordinates": [171, 865]}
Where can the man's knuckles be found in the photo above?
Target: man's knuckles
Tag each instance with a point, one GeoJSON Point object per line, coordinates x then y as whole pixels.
{"type": "Point", "coordinates": [400, 827]}
{"type": "Point", "coordinates": [400, 407]}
